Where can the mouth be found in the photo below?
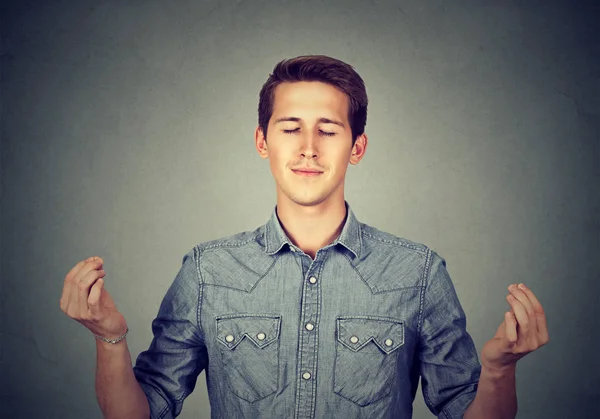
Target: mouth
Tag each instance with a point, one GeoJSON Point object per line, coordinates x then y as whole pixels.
{"type": "Point", "coordinates": [307, 172]}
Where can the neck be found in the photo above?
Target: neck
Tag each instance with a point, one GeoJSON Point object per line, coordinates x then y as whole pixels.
{"type": "Point", "coordinates": [312, 227]}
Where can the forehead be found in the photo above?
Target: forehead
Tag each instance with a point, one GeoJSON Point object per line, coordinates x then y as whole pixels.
{"type": "Point", "coordinates": [308, 100]}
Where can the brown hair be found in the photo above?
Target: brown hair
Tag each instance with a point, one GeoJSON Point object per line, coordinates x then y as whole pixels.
{"type": "Point", "coordinates": [323, 69]}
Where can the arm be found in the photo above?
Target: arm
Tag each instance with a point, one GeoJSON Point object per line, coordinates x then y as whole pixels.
{"type": "Point", "coordinates": [118, 392]}
{"type": "Point", "coordinates": [496, 396]}
{"type": "Point", "coordinates": [448, 362]}
{"type": "Point", "coordinates": [166, 373]}
{"type": "Point", "coordinates": [85, 300]}
{"type": "Point", "coordinates": [168, 370]}
{"type": "Point", "coordinates": [523, 330]}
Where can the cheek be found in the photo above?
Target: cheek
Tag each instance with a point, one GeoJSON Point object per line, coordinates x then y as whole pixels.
{"type": "Point", "coordinates": [277, 160]}
{"type": "Point", "coordinates": [340, 161]}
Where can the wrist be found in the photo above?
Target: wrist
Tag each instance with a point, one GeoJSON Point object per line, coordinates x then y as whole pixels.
{"type": "Point", "coordinates": [105, 347]}
{"type": "Point", "coordinates": [499, 372]}
{"type": "Point", "coordinates": [113, 340]}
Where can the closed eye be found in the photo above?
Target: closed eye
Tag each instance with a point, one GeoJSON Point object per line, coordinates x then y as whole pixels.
{"type": "Point", "coordinates": [325, 133]}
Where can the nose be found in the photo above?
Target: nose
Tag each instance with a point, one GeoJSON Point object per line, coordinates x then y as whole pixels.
{"type": "Point", "coordinates": [308, 146]}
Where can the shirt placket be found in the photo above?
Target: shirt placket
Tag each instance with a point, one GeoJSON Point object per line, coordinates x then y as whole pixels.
{"type": "Point", "coordinates": [308, 339]}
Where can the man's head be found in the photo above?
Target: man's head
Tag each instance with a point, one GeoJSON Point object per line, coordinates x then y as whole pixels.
{"type": "Point", "coordinates": [322, 69]}
{"type": "Point", "coordinates": [314, 110]}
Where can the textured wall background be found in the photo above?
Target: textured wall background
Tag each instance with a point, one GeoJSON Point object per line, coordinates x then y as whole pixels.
{"type": "Point", "coordinates": [127, 132]}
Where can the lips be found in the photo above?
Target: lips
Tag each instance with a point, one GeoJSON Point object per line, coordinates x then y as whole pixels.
{"type": "Point", "coordinates": [307, 171]}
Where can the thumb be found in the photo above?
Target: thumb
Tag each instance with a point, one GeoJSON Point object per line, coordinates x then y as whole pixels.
{"type": "Point", "coordinates": [94, 297]}
{"type": "Point", "coordinates": [511, 328]}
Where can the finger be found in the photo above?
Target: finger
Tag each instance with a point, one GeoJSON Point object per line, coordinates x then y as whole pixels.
{"type": "Point", "coordinates": [84, 288]}
{"type": "Point", "coordinates": [511, 327]}
{"type": "Point", "coordinates": [521, 296]}
{"type": "Point", "coordinates": [64, 298]}
{"type": "Point", "coordinates": [94, 297]}
{"type": "Point", "coordinates": [524, 299]}
{"type": "Point", "coordinates": [76, 268]}
{"type": "Point", "coordinates": [75, 283]}
{"type": "Point", "coordinates": [542, 325]}
{"type": "Point", "coordinates": [520, 313]}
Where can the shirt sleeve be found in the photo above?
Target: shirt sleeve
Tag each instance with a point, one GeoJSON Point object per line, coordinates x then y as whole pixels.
{"type": "Point", "coordinates": [168, 370]}
{"type": "Point", "coordinates": [449, 364]}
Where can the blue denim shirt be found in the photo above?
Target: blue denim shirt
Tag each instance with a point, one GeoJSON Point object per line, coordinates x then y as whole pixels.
{"type": "Point", "coordinates": [280, 335]}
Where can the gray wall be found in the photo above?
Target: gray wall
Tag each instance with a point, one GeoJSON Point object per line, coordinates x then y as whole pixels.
{"type": "Point", "coordinates": [127, 132]}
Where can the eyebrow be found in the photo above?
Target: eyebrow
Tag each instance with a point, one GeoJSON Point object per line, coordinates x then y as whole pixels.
{"type": "Point", "coordinates": [321, 120]}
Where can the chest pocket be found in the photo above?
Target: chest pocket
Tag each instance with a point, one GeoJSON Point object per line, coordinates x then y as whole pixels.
{"type": "Point", "coordinates": [366, 357]}
{"type": "Point", "coordinates": [249, 347]}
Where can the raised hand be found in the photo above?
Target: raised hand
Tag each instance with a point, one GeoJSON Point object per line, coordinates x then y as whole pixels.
{"type": "Point", "coordinates": [84, 299]}
{"type": "Point", "coordinates": [523, 330]}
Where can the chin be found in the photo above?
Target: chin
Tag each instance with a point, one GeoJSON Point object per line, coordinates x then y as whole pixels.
{"type": "Point", "coordinates": [306, 197]}
{"type": "Point", "coordinates": [307, 201]}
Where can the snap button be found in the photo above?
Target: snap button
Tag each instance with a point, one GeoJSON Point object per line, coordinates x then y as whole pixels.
{"type": "Point", "coordinates": [306, 375]}
{"type": "Point", "coordinates": [389, 342]}
{"type": "Point", "coordinates": [354, 339]}
{"type": "Point", "coordinates": [309, 326]}
{"type": "Point", "coordinates": [312, 280]}
{"type": "Point", "coordinates": [261, 336]}
{"type": "Point", "coordinates": [229, 338]}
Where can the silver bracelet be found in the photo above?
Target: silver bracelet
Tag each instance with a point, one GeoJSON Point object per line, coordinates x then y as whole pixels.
{"type": "Point", "coordinates": [119, 339]}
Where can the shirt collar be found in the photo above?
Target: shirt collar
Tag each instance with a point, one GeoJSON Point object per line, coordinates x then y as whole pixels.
{"type": "Point", "coordinates": [275, 238]}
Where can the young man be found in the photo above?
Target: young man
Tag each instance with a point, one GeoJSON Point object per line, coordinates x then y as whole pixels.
{"type": "Point", "coordinates": [314, 314]}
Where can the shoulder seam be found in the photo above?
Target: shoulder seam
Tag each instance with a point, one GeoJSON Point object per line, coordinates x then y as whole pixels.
{"type": "Point", "coordinates": [224, 243]}
{"type": "Point", "coordinates": [424, 283]}
{"type": "Point", "coordinates": [399, 242]}
{"type": "Point", "coordinates": [197, 253]}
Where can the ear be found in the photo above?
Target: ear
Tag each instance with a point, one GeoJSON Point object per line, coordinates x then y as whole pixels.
{"type": "Point", "coordinates": [359, 148]}
{"type": "Point", "coordinates": [261, 143]}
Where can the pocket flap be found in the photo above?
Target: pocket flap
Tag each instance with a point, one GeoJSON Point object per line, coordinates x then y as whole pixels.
{"type": "Point", "coordinates": [260, 329]}
{"type": "Point", "coordinates": [356, 332]}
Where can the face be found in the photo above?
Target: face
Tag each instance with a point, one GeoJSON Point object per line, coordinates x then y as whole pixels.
{"type": "Point", "coordinates": [309, 142]}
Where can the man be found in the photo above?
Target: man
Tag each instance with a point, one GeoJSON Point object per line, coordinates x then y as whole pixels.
{"type": "Point", "coordinates": [314, 314]}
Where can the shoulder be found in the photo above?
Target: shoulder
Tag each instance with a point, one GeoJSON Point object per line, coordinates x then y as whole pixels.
{"type": "Point", "coordinates": [242, 239]}
{"type": "Point", "coordinates": [373, 237]}
{"type": "Point", "coordinates": [389, 262]}
{"type": "Point", "coordinates": [237, 261]}
{"type": "Point", "coordinates": [228, 243]}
